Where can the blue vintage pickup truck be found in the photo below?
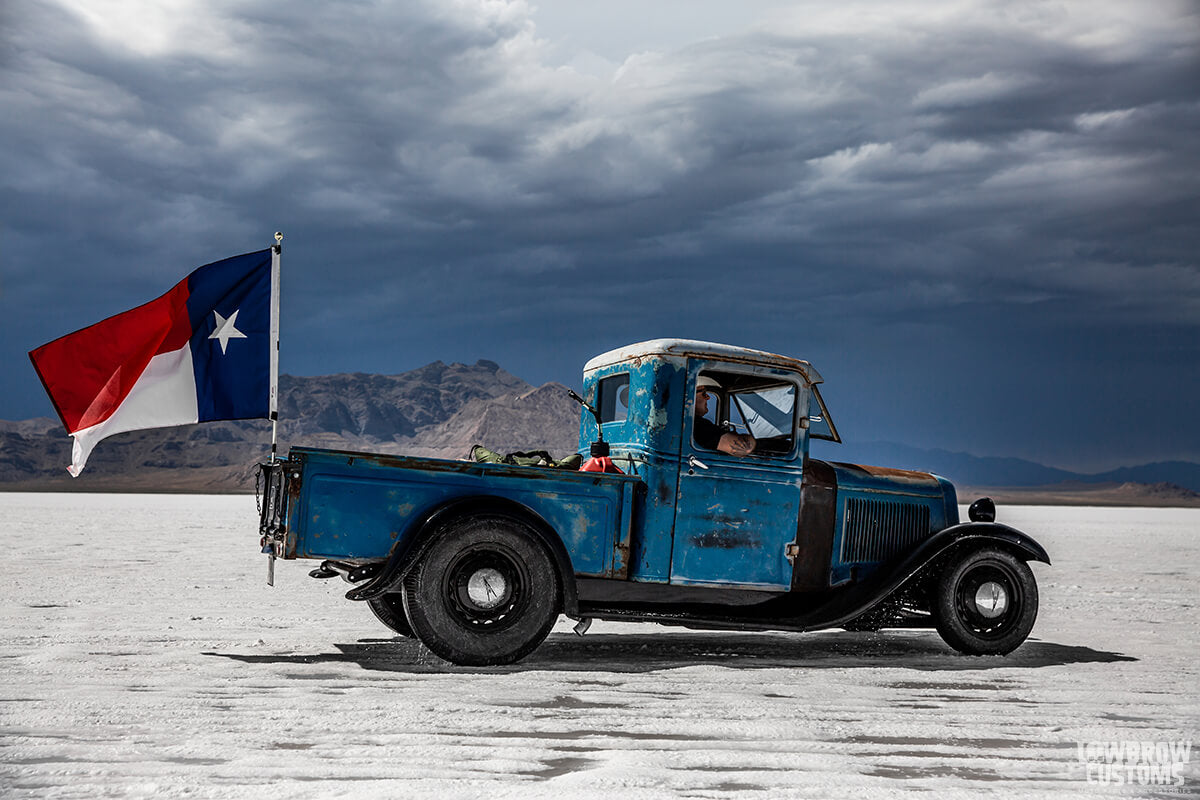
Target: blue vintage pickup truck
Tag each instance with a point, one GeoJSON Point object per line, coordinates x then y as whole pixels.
{"type": "Point", "coordinates": [718, 519]}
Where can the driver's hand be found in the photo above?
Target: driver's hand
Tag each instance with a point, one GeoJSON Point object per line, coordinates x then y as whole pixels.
{"type": "Point", "coordinates": [737, 444]}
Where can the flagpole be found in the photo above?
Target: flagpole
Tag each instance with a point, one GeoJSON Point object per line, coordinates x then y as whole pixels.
{"type": "Point", "coordinates": [276, 252]}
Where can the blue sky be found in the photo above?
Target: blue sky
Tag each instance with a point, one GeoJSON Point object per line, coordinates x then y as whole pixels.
{"type": "Point", "coordinates": [978, 220]}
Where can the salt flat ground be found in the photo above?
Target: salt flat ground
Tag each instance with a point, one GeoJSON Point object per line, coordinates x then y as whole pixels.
{"type": "Point", "coordinates": [142, 655]}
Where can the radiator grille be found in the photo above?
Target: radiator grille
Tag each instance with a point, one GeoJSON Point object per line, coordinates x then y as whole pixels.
{"type": "Point", "coordinates": [875, 530]}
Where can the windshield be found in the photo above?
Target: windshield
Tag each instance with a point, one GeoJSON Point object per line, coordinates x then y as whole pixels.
{"type": "Point", "coordinates": [820, 424]}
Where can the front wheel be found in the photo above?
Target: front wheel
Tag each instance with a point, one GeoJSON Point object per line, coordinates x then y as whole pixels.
{"type": "Point", "coordinates": [485, 592]}
{"type": "Point", "coordinates": [986, 602]}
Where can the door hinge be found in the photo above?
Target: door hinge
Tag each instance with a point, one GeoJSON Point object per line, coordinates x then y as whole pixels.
{"type": "Point", "coordinates": [792, 550]}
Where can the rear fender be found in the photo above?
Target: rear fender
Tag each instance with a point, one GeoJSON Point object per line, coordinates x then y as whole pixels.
{"type": "Point", "coordinates": [409, 549]}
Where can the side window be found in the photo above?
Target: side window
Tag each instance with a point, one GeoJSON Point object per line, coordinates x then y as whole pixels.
{"type": "Point", "coordinates": [706, 426]}
{"type": "Point", "coordinates": [762, 406]}
{"type": "Point", "coordinates": [614, 398]}
{"type": "Point", "coordinates": [713, 412]}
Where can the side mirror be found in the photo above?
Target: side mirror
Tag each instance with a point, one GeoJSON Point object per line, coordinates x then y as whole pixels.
{"type": "Point", "coordinates": [599, 447]}
{"type": "Point", "coordinates": [586, 405]}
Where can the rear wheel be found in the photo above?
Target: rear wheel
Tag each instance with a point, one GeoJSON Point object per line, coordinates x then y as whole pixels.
{"type": "Point", "coordinates": [986, 602]}
{"type": "Point", "coordinates": [485, 592]}
{"type": "Point", "coordinates": [389, 609]}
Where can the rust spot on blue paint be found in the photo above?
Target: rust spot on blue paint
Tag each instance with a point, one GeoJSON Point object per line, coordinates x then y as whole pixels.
{"type": "Point", "coordinates": [724, 520]}
{"type": "Point", "coordinates": [725, 540]}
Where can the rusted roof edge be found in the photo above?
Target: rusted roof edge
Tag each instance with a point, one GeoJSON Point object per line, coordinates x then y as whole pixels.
{"type": "Point", "coordinates": [683, 348]}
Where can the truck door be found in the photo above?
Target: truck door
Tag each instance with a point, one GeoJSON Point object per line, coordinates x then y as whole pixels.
{"type": "Point", "coordinates": [735, 515]}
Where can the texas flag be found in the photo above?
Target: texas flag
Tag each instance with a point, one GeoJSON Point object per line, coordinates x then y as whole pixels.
{"type": "Point", "coordinates": [206, 350]}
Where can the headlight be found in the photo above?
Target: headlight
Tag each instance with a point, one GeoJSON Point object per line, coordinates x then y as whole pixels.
{"type": "Point", "coordinates": [982, 510]}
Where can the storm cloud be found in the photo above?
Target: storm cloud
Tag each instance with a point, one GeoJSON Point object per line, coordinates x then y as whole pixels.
{"type": "Point", "coordinates": [978, 220]}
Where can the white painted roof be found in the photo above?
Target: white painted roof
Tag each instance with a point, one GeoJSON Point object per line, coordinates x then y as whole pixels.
{"type": "Point", "coordinates": [682, 348]}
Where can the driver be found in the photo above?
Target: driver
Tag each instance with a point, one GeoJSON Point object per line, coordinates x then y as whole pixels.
{"type": "Point", "coordinates": [710, 435]}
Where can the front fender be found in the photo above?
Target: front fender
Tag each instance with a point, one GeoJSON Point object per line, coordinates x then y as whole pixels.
{"type": "Point", "coordinates": [865, 597]}
{"type": "Point", "coordinates": [944, 541]}
{"type": "Point", "coordinates": [1021, 544]}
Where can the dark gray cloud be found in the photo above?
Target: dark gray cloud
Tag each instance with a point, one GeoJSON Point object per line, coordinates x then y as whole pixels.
{"type": "Point", "coordinates": [979, 221]}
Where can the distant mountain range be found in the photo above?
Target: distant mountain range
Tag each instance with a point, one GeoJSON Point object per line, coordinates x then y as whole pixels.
{"type": "Point", "coordinates": [963, 468]}
{"type": "Point", "coordinates": [440, 410]}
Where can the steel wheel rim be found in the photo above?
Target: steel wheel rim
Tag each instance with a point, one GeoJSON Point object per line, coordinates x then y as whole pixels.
{"type": "Point", "coordinates": [1002, 600]}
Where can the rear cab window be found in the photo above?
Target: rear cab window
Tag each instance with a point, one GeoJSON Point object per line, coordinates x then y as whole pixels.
{"type": "Point", "coordinates": [613, 392]}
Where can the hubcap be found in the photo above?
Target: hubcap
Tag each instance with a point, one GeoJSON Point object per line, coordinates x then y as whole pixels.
{"type": "Point", "coordinates": [991, 600]}
{"type": "Point", "coordinates": [487, 588]}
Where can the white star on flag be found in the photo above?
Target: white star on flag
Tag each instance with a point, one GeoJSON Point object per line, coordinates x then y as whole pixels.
{"type": "Point", "coordinates": [226, 330]}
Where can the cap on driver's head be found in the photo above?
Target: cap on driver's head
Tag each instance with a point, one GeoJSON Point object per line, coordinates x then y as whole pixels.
{"type": "Point", "coordinates": [705, 382]}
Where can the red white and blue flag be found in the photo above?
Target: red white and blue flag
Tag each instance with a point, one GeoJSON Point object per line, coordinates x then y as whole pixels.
{"type": "Point", "coordinates": [206, 350]}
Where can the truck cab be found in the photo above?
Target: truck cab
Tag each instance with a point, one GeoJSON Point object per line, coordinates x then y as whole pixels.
{"type": "Point", "coordinates": [764, 521]}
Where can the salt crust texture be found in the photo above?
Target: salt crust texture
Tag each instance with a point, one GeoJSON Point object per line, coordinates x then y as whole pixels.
{"type": "Point", "coordinates": [142, 655]}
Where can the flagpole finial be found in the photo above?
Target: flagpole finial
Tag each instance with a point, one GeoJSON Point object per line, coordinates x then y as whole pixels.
{"type": "Point", "coordinates": [278, 237]}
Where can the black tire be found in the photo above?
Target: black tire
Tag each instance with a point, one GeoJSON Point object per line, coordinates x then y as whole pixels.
{"type": "Point", "coordinates": [389, 609]}
{"type": "Point", "coordinates": [485, 592]}
{"type": "Point", "coordinates": [986, 602]}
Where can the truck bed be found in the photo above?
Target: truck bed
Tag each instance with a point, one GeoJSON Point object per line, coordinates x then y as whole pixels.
{"type": "Point", "coordinates": [336, 504]}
